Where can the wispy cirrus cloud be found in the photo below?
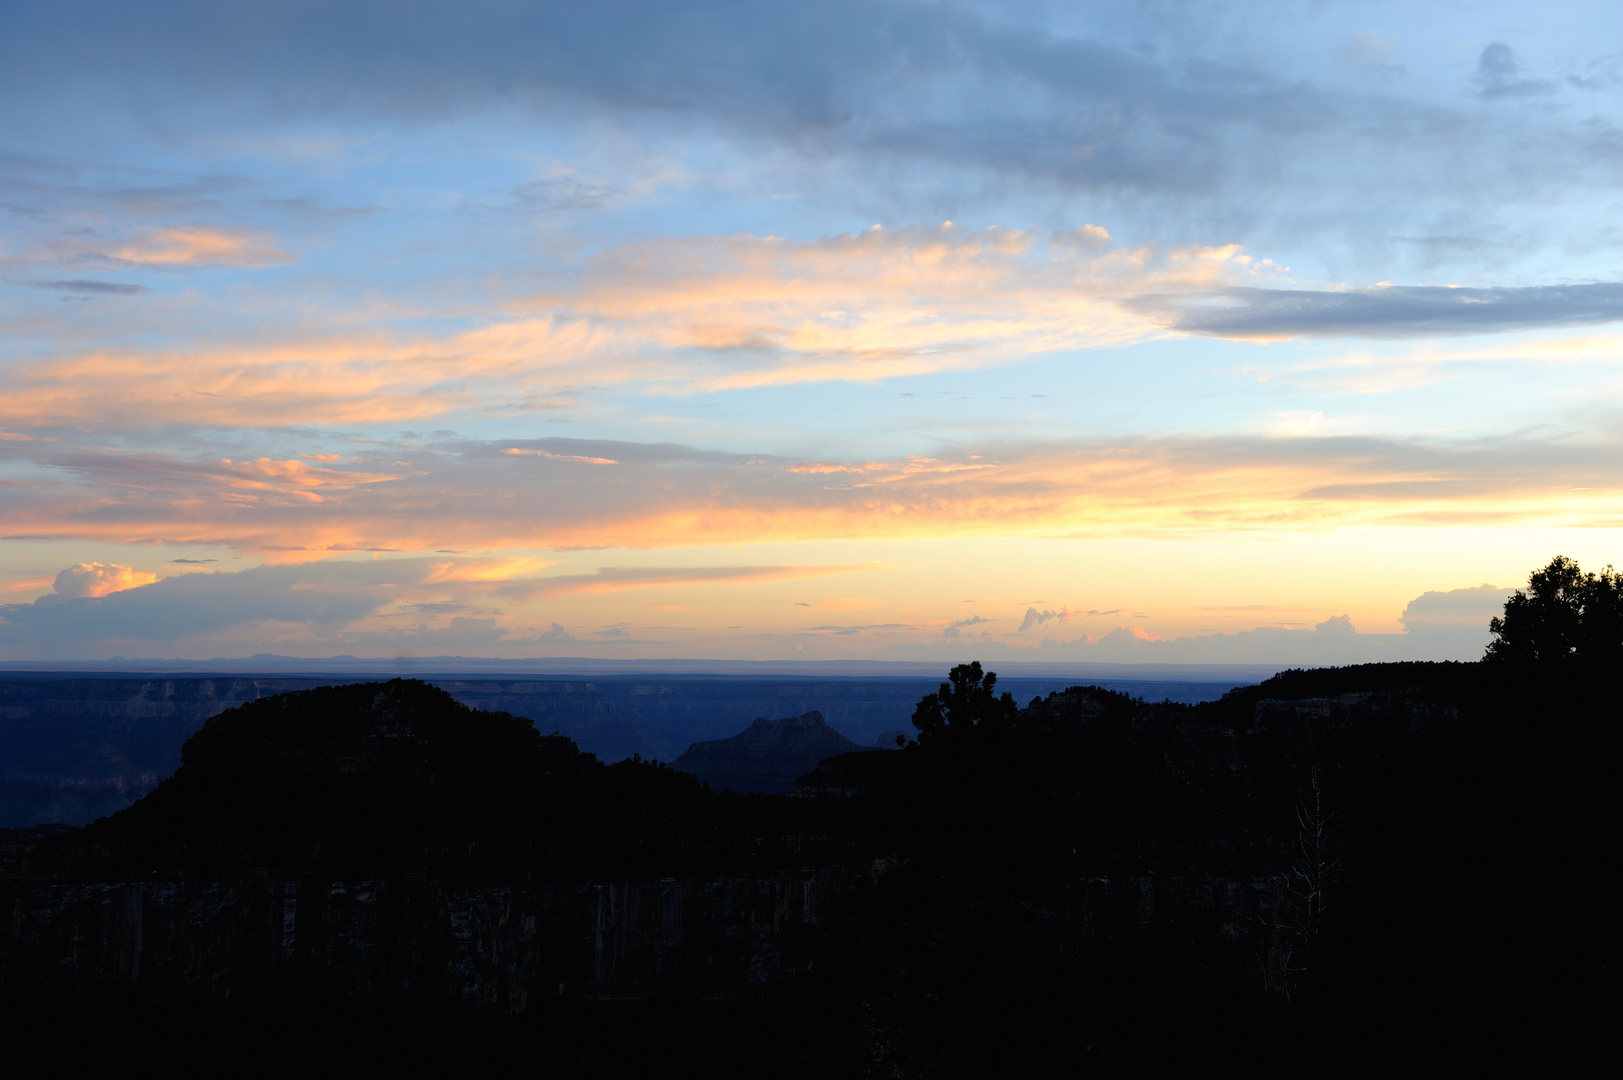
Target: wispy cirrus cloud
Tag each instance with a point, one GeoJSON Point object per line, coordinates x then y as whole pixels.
{"type": "Point", "coordinates": [195, 246]}
{"type": "Point", "coordinates": [92, 288]}
{"type": "Point", "coordinates": [474, 496]}
{"type": "Point", "coordinates": [1033, 617]}
{"type": "Point", "coordinates": [338, 378]}
{"type": "Point", "coordinates": [677, 316]}
{"type": "Point", "coordinates": [751, 311]}
{"type": "Point", "coordinates": [172, 247]}
{"type": "Point", "coordinates": [616, 579]}
{"type": "Point", "coordinates": [704, 314]}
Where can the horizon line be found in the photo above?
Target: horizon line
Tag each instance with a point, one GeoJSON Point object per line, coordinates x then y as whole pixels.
{"type": "Point", "coordinates": [287, 666]}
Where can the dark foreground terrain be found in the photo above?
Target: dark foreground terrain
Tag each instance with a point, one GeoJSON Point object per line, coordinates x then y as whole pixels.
{"type": "Point", "coordinates": [1336, 871]}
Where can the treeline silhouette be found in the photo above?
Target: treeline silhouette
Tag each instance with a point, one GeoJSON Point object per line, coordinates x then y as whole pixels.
{"type": "Point", "coordinates": [1337, 870]}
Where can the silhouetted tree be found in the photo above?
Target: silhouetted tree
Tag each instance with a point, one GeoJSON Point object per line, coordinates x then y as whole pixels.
{"type": "Point", "coordinates": [1565, 620]}
{"type": "Point", "coordinates": [969, 702]}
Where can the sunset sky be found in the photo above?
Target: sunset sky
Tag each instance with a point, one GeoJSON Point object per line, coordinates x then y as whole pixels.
{"type": "Point", "coordinates": [1133, 332]}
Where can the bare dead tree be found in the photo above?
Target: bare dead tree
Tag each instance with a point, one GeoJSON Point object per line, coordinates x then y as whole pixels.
{"type": "Point", "coordinates": [1306, 888]}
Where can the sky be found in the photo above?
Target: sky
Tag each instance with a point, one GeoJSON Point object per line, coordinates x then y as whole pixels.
{"type": "Point", "coordinates": [1151, 332]}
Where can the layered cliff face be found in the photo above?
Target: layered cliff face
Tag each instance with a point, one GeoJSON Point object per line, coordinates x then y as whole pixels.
{"type": "Point", "coordinates": [767, 757]}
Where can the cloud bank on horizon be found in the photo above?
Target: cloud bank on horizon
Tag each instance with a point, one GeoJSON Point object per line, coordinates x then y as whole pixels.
{"type": "Point", "coordinates": [1166, 331]}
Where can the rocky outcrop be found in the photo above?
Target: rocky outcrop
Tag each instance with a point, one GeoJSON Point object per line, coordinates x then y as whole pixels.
{"type": "Point", "coordinates": [767, 757]}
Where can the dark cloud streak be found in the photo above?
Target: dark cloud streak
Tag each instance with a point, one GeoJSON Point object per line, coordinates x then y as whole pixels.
{"type": "Point", "coordinates": [1384, 311]}
{"type": "Point", "coordinates": [93, 288]}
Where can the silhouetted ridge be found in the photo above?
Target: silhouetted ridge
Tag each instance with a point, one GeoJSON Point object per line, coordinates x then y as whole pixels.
{"type": "Point", "coordinates": [766, 757]}
{"type": "Point", "coordinates": [369, 772]}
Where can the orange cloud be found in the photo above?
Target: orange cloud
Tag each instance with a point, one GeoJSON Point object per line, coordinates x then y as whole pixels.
{"type": "Point", "coordinates": [172, 247]}
{"type": "Point", "coordinates": [294, 511]}
{"type": "Point", "coordinates": [200, 247]}
{"type": "Point", "coordinates": [882, 303]}
{"type": "Point", "coordinates": [675, 316]}
{"type": "Point", "coordinates": [29, 587]}
{"type": "Point", "coordinates": [99, 579]}
{"type": "Point", "coordinates": [485, 570]}
{"type": "Point", "coordinates": [338, 379]}
{"type": "Point", "coordinates": [293, 477]}
{"type": "Point", "coordinates": [583, 459]}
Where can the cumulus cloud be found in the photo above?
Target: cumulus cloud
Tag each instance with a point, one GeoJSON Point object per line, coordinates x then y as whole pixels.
{"type": "Point", "coordinates": [1438, 626]}
{"type": "Point", "coordinates": [953, 630]}
{"type": "Point", "coordinates": [99, 579]}
{"type": "Point", "coordinates": [436, 606]}
{"type": "Point", "coordinates": [1038, 618]}
{"type": "Point", "coordinates": [1456, 620]}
